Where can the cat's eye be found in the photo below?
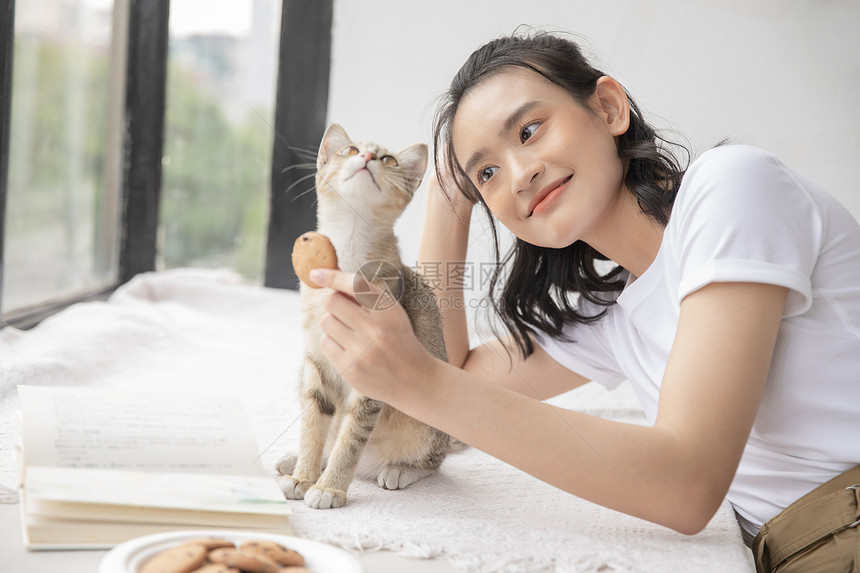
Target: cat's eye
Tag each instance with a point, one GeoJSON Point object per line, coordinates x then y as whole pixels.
{"type": "Point", "coordinates": [389, 161]}
{"type": "Point", "coordinates": [349, 151]}
{"type": "Point", "coordinates": [486, 174]}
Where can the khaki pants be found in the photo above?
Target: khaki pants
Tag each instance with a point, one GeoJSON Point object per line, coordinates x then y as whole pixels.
{"type": "Point", "coordinates": [817, 533]}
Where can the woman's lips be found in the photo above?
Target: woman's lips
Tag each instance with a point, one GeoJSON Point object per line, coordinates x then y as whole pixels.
{"type": "Point", "coordinates": [550, 197]}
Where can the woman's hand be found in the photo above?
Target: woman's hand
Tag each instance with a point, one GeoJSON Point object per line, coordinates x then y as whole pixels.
{"type": "Point", "coordinates": [374, 349]}
{"type": "Point", "coordinates": [445, 191]}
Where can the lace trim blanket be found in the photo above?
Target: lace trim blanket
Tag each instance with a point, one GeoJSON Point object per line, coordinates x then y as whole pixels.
{"type": "Point", "coordinates": [208, 331]}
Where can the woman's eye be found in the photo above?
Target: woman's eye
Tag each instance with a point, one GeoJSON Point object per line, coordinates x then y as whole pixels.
{"type": "Point", "coordinates": [486, 174]}
{"type": "Point", "coordinates": [389, 161]}
{"type": "Point", "coordinates": [349, 151]}
{"type": "Point", "coordinates": [528, 131]}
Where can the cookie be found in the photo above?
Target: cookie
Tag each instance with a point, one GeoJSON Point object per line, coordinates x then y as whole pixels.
{"type": "Point", "coordinates": [211, 543]}
{"type": "Point", "coordinates": [180, 559]}
{"type": "Point", "coordinates": [312, 250]}
{"type": "Point", "coordinates": [244, 560]}
{"type": "Point", "coordinates": [274, 551]}
{"type": "Point", "coordinates": [217, 568]}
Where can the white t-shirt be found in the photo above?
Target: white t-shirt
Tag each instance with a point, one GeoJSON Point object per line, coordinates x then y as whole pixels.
{"type": "Point", "coordinates": [742, 216]}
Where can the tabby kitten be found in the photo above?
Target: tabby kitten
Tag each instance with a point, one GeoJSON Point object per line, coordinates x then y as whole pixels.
{"type": "Point", "coordinates": [361, 191]}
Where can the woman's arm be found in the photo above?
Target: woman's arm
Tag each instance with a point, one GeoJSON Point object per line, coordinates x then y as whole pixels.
{"type": "Point", "coordinates": [675, 473]}
{"type": "Point", "coordinates": [444, 240]}
{"type": "Point", "coordinates": [538, 376]}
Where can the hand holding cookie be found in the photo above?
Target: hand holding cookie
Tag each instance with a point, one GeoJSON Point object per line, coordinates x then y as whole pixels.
{"type": "Point", "coordinates": [312, 250]}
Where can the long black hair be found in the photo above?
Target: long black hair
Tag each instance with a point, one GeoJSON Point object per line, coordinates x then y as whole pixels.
{"type": "Point", "coordinates": [538, 281]}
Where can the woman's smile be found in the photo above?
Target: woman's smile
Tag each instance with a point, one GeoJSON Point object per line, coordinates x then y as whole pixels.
{"type": "Point", "coordinates": [546, 198]}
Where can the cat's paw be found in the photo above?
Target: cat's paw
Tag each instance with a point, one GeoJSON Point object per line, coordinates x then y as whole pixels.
{"type": "Point", "coordinates": [324, 498]}
{"type": "Point", "coordinates": [398, 477]}
{"type": "Point", "coordinates": [287, 464]}
{"type": "Point", "coordinates": [293, 488]}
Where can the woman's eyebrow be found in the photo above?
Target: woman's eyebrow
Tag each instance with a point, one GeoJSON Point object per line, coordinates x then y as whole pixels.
{"type": "Point", "coordinates": [512, 121]}
{"type": "Point", "coordinates": [474, 159]}
{"type": "Point", "coordinates": [516, 117]}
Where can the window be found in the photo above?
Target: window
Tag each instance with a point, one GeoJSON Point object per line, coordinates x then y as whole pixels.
{"type": "Point", "coordinates": [125, 148]}
{"type": "Point", "coordinates": [64, 163]}
{"type": "Point", "coordinates": [222, 71]}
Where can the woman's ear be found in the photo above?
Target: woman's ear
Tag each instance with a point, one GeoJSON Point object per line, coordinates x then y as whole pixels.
{"type": "Point", "coordinates": [612, 105]}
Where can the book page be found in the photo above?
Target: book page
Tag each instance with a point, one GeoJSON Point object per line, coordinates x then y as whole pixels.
{"type": "Point", "coordinates": [206, 493]}
{"type": "Point", "coordinates": [96, 428]}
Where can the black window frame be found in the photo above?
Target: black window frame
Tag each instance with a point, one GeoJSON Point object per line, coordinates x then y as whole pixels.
{"type": "Point", "coordinates": [300, 120]}
{"type": "Point", "coordinates": [7, 44]}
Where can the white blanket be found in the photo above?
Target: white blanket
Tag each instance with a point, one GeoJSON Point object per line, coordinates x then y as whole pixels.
{"type": "Point", "coordinates": [208, 331]}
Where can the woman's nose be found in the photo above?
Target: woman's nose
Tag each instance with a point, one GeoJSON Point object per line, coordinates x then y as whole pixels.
{"type": "Point", "coordinates": [525, 171]}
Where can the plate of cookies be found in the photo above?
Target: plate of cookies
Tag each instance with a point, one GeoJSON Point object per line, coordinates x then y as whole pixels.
{"type": "Point", "coordinates": [220, 551]}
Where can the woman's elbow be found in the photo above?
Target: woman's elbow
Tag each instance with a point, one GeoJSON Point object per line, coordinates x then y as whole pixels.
{"type": "Point", "coordinates": [693, 524]}
{"type": "Point", "coordinates": [695, 511]}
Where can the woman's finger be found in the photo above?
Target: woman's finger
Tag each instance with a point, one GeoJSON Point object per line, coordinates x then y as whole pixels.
{"type": "Point", "coordinates": [331, 349]}
{"type": "Point", "coordinates": [336, 329]}
{"type": "Point", "coordinates": [337, 280]}
{"type": "Point", "coordinates": [346, 309]}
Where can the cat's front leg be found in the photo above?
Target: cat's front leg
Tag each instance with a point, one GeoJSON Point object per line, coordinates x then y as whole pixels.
{"type": "Point", "coordinates": [330, 489]}
{"type": "Point", "coordinates": [300, 471]}
{"type": "Point", "coordinates": [287, 464]}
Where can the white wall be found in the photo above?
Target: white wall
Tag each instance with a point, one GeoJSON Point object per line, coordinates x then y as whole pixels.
{"type": "Point", "coordinates": [780, 74]}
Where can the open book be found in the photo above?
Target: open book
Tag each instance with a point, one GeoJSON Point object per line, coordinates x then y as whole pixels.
{"type": "Point", "coordinates": [101, 467]}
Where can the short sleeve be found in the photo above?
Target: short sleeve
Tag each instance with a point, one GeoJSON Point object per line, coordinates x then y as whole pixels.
{"type": "Point", "coordinates": [741, 216]}
{"type": "Point", "coordinates": [588, 352]}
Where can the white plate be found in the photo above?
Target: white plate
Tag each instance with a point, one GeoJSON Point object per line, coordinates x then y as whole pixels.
{"type": "Point", "coordinates": [319, 557]}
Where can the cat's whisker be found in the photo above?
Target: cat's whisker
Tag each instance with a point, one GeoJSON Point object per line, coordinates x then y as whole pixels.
{"type": "Point", "coordinates": [401, 180]}
{"type": "Point", "coordinates": [300, 180]}
{"type": "Point", "coordinates": [308, 149]}
{"type": "Point", "coordinates": [396, 175]}
{"type": "Point", "coordinates": [308, 153]}
{"type": "Point", "coordinates": [305, 192]}
{"type": "Point", "coordinates": [299, 166]}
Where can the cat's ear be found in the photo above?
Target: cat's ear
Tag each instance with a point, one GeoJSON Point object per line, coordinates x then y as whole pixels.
{"type": "Point", "coordinates": [413, 163]}
{"type": "Point", "coordinates": [334, 139]}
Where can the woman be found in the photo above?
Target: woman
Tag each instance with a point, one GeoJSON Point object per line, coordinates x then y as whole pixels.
{"type": "Point", "coordinates": [734, 310]}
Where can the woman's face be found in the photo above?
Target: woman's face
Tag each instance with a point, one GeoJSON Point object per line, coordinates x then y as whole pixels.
{"type": "Point", "coordinates": [546, 166]}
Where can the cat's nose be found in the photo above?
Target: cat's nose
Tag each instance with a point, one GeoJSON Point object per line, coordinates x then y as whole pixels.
{"type": "Point", "coordinates": [367, 155]}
